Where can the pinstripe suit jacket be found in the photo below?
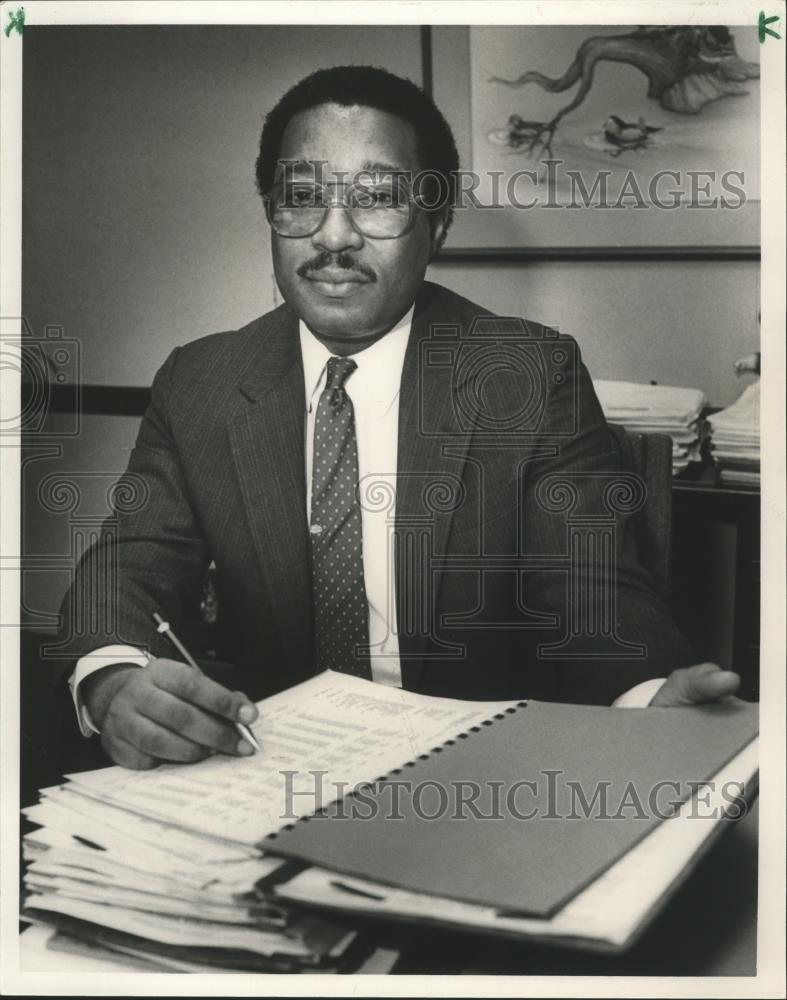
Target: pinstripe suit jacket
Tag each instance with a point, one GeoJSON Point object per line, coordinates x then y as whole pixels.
{"type": "Point", "coordinates": [517, 573]}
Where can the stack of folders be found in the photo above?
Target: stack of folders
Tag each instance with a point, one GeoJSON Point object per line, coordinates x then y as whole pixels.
{"type": "Point", "coordinates": [735, 439]}
{"type": "Point", "coordinates": [657, 409]}
{"type": "Point", "coordinates": [372, 800]}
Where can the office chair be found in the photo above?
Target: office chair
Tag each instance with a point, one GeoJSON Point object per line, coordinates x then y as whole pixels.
{"type": "Point", "coordinates": [650, 457]}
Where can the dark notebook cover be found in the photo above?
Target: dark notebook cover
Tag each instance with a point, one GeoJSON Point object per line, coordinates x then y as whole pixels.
{"type": "Point", "coordinates": [600, 780]}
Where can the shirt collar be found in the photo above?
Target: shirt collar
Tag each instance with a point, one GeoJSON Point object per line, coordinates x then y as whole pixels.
{"type": "Point", "coordinates": [379, 374]}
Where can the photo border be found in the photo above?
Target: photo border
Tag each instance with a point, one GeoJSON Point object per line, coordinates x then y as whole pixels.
{"type": "Point", "coordinates": [770, 978]}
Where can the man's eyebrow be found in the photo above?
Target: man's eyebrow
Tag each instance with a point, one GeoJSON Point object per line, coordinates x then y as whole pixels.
{"type": "Point", "coordinates": [310, 165]}
{"type": "Point", "coordinates": [317, 169]}
{"type": "Point", "coordinates": [299, 166]}
{"type": "Point", "coordinates": [375, 166]}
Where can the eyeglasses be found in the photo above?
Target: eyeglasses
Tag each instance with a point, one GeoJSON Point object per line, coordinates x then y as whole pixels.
{"type": "Point", "coordinates": [381, 211]}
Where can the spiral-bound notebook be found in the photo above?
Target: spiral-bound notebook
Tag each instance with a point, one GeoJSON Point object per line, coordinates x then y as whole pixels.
{"type": "Point", "coordinates": [527, 808]}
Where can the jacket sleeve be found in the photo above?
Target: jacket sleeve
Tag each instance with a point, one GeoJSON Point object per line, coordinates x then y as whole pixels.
{"type": "Point", "coordinates": [150, 554]}
{"type": "Point", "coordinates": [613, 629]}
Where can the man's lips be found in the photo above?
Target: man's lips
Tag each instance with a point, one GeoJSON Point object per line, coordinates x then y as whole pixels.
{"type": "Point", "coordinates": [336, 276]}
{"type": "Point", "coordinates": [336, 283]}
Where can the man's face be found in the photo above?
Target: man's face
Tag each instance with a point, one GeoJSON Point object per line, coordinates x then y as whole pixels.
{"type": "Point", "coordinates": [384, 274]}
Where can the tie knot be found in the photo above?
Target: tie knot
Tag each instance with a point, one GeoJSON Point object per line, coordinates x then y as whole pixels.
{"type": "Point", "coordinates": [339, 370]}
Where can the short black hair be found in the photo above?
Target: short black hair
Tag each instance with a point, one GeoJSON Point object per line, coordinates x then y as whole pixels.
{"type": "Point", "coordinates": [371, 87]}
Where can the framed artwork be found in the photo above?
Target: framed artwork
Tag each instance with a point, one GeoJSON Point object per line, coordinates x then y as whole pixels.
{"type": "Point", "coordinates": [602, 140]}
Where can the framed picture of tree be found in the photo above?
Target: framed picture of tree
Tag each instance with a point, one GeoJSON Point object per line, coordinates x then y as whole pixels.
{"type": "Point", "coordinates": [602, 139]}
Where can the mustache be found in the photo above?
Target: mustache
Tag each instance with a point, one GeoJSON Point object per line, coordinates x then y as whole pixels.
{"type": "Point", "coordinates": [342, 261]}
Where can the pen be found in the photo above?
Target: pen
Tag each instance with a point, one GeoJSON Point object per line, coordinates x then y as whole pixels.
{"type": "Point", "coordinates": [163, 628]}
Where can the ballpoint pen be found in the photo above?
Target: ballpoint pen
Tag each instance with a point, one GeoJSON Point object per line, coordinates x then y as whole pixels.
{"type": "Point", "coordinates": [163, 628]}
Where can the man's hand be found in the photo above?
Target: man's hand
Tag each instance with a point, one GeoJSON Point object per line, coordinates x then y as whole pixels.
{"type": "Point", "coordinates": [694, 685]}
{"type": "Point", "coordinates": [166, 711]}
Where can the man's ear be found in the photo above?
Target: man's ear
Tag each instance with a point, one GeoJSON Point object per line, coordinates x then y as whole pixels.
{"type": "Point", "coordinates": [438, 231]}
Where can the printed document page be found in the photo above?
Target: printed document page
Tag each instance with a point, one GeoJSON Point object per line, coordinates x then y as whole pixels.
{"type": "Point", "coordinates": [319, 740]}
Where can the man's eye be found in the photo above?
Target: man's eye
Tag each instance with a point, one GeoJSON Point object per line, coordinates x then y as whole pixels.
{"type": "Point", "coordinates": [377, 197]}
{"type": "Point", "coordinates": [302, 197]}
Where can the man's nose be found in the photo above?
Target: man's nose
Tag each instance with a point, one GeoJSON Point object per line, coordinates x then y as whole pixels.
{"type": "Point", "coordinates": [337, 233]}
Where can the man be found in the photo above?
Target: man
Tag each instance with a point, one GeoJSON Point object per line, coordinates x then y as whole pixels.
{"type": "Point", "coordinates": [378, 468]}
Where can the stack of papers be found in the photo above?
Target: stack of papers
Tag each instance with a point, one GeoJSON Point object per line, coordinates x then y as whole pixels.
{"type": "Point", "coordinates": [107, 875]}
{"type": "Point", "coordinates": [657, 409]}
{"type": "Point", "coordinates": [735, 438]}
{"type": "Point", "coordinates": [167, 864]}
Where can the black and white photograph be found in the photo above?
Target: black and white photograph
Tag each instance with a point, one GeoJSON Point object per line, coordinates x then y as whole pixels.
{"type": "Point", "coordinates": [393, 498]}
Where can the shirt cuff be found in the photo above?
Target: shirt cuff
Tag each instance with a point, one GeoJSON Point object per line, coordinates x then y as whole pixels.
{"type": "Point", "coordinates": [106, 656]}
{"type": "Point", "coordinates": [640, 695]}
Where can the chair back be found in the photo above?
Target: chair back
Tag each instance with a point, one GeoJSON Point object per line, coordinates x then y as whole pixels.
{"type": "Point", "coordinates": [650, 457]}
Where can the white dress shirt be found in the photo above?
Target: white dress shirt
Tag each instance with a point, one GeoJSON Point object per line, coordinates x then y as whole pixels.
{"type": "Point", "coordinates": [374, 390]}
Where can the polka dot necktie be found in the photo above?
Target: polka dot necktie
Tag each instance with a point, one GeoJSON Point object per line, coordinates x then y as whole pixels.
{"type": "Point", "coordinates": [340, 608]}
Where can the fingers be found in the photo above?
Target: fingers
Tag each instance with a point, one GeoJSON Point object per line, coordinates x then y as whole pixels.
{"type": "Point", "coordinates": [170, 712]}
{"type": "Point", "coordinates": [695, 685]}
{"type": "Point", "coordinates": [188, 722]}
{"type": "Point", "coordinates": [152, 739]}
{"type": "Point", "coordinates": [195, 688]}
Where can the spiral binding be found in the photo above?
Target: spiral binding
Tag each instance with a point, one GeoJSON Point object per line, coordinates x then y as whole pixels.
{"type": "Point", "coordinates": [498, 716]}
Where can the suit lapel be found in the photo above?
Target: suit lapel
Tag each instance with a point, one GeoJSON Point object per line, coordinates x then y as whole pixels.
{"type": "Point", "coordinates": [432, 451]}
{"type": "Point", "coordinates": [266, 438]}
{"type": "Point", "coordinates": [267, 443]}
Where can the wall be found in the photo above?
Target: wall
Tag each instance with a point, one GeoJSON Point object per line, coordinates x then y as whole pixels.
{"type": "Point", "coordinates": [682, 323]}
{"type": "Point", "coordinates": [142, 228]}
